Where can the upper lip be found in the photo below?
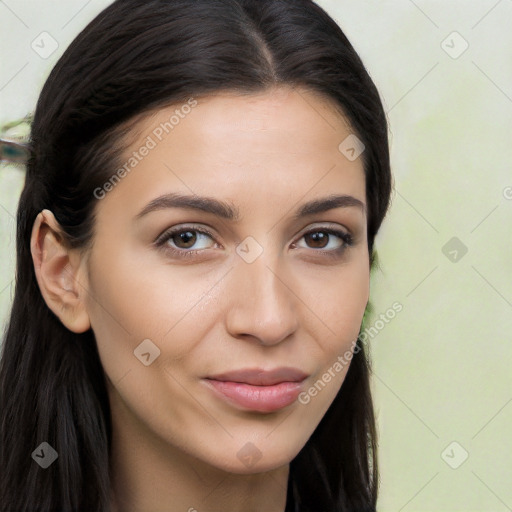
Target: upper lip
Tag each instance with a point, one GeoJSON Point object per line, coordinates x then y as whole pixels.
{"type": "Point", "coordinates": [260, 377]}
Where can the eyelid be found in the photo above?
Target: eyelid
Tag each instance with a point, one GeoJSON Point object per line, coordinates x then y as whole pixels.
{"type": "Point", "coordinates": [182, 227]}
{"type": "Point", "coordinates": [326, 226]}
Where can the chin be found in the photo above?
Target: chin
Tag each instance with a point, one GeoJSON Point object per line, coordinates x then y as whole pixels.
{"type": "Point", "coordinates": [253, 457]}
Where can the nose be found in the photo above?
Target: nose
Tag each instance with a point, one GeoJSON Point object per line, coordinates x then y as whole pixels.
{"type": "Point", "coordinates": [261, 305]}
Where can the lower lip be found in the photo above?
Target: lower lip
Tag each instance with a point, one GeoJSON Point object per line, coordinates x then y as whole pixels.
{"type": "Point", "coordinates": [257, 398]}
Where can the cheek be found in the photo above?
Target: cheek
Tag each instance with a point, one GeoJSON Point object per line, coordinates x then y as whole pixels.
{"type": "Point", "coordinates": [132, 299]}
{"type": "Point", "coordinates": [339, 300]}
{"type": "Point", "coordinates": [341, 308]}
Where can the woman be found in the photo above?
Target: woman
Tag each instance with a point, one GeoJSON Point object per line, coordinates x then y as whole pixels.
{"type": "Point", "coordinates": [195, 237]}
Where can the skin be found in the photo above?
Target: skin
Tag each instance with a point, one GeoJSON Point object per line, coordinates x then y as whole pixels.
{"type": "Point", "coordinates": [175, 443]}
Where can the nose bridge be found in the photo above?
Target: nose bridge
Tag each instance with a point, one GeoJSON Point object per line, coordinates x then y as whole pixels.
{"type": "Point", "coordinates": [261, 304]}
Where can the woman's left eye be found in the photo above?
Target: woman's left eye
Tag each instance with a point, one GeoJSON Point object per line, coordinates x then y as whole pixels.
{"type": "Point", "coordinates": [321, 238]}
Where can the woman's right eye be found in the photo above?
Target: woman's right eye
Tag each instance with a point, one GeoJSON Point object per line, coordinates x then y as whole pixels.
{"type": "Point", "coordinates": [183, 241]}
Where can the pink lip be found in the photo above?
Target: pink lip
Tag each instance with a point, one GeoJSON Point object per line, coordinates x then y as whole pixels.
{"type": "Point", "coordinates": [259, 377]}
{"type": "Point", "coordinates": [259, 390]}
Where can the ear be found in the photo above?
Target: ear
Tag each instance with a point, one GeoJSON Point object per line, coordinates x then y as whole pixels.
{"type": "Point", "coordinates": [58, 273]}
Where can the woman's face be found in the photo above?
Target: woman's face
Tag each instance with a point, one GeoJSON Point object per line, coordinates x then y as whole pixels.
{"type": "Point", "coordinates": [248, 279]}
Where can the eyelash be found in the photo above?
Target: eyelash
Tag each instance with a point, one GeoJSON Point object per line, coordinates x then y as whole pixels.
{"type": "Point", "coordinates": [183, 253]}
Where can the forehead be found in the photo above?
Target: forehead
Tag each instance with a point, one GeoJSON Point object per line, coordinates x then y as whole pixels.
{"type": "Point", "coordinates": [283, 112]}
{"type": "Point", "coordinates": [254, 148]}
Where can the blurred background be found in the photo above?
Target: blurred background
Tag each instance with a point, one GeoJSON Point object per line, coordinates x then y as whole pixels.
{"type": "Point", "coordinates": [442, 378]}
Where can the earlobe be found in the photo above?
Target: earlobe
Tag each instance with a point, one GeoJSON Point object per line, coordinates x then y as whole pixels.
{"type": "Point", "coordinates": [57, 268]}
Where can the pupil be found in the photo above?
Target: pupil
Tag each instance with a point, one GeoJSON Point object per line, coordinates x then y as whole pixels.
{"type": "Point", "coordinates": [320, 239]}
{"type": "Point", "coordinates": [184, 235]}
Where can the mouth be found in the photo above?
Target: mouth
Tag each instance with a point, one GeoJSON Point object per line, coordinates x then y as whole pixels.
{"type": "Point", "coordinates": [258, 390]}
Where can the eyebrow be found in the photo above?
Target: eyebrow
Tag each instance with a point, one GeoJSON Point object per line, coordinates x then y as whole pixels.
{"type": "Point", "coordinates": [230, 212]}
